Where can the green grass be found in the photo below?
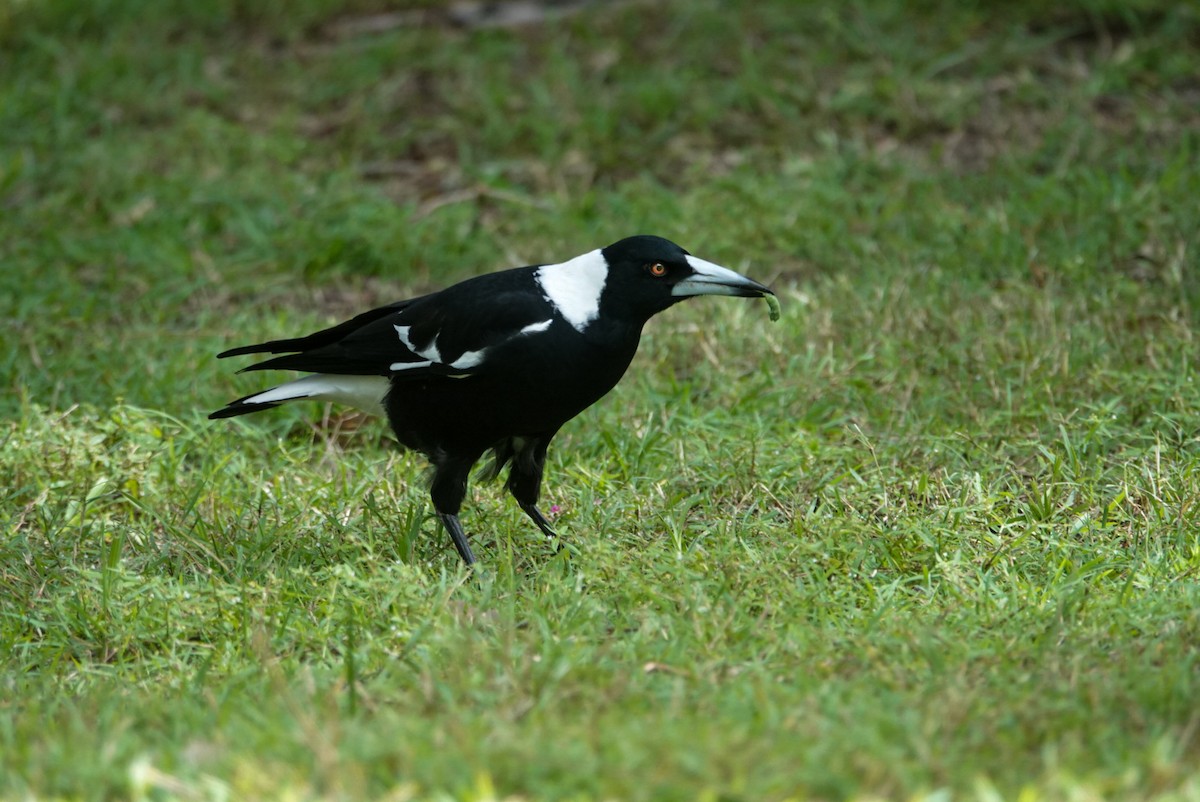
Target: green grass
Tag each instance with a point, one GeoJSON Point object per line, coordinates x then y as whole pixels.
{"type": "Point", "coordinates": [935, 533]}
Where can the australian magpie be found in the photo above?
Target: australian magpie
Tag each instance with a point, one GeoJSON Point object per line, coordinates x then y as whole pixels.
{"type": "Point", "coordinates": [497, 362]}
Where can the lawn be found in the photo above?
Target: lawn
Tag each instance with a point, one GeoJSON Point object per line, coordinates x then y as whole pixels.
{"type": "Point", "coordinates": [934, 534]}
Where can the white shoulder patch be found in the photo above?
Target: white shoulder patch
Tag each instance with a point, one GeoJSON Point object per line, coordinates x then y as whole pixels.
{"type": "Point", "coordinates": [574, 287]}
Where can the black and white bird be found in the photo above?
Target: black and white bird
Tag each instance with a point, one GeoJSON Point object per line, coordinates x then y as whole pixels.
{"type": "Point", "coordinates": [498, 362]}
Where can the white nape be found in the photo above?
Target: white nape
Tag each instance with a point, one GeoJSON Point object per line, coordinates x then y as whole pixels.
{"type": "Point", "coordinates": [574, 287]}
{"type": "Point", "coordinates": [362, 392]}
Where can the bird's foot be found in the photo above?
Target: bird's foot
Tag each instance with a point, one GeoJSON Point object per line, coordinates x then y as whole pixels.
{"type": "Point", "coordinates": [458, 536]}
{"type": "Point", "coordinates": [536, 516]}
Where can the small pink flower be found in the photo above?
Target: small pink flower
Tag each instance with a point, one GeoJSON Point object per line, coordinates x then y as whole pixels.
{"type": "Point", "coordinates": [555, 509]}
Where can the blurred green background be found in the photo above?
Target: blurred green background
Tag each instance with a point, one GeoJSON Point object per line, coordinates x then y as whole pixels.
{"type": "Point", "coordinates": [931, 535]}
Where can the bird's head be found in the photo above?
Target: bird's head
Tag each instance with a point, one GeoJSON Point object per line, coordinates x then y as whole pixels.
{"type": "Point", "coordinates": [648, 274]}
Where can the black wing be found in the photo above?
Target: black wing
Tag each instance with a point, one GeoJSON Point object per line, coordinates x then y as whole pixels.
{"type": "Point", "coordinates": [321, 338]}
{"type": "Point", "coordinates": [448, 333]}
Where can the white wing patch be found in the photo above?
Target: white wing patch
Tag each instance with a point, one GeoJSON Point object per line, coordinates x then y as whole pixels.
{"type": "Point", "coordinates": [409, 365]}
{"type": "Point", "coordinates": [534, 328]}
{"type": "Point", "coordinates": [574, 287]}
{"type": "Point", "coordinates": [430, 352]}
{"type": "Point", "coordinates": [362, 392]}
{"type": "Point", "coordinates": [469, 359]}
{"type": "Point", "coordinates": [430, 355]}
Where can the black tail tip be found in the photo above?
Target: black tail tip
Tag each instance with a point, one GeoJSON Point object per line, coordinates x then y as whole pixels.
{"type": "Point", "coordinates": [242, 349]}
{"type": "Point", "coordinates": [236, 408]}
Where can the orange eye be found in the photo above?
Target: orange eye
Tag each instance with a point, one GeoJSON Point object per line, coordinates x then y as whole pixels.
{"type": "Point", "coordinates": [658, 269]}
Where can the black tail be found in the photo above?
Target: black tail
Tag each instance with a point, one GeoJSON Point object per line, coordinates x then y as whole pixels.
{"type": "Point", "coordinates": [235, 408]}
{"type": "Point", "coordinates": [319, 339]}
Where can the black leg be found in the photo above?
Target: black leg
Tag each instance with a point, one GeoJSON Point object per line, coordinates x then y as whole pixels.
{"type": "Point", "coordinates": [533, 512]}
{"type": "Point", "coordinates": [525, 478]}
{"type": "Point", "coordinates": [447, 491]}
{"type": "Point", "coordinates": [458, 536]}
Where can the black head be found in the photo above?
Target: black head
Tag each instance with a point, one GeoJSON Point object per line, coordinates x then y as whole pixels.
{"type": "Point", "coordinates": [647, 274]}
